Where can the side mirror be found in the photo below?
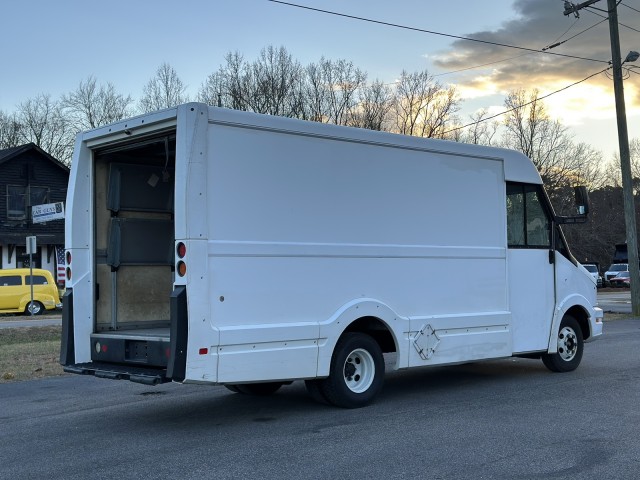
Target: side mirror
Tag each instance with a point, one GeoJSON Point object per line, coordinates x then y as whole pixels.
{"type": "Point", "coordinates": [582, 200]}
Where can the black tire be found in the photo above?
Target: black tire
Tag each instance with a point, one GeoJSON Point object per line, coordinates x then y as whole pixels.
{"type": "Point", "coordinates": [259, 389]}
{"type": "Point", "coordinates": [37, 309]}
{"type": "Point", "coordinates": [570, 347]}
{"type": "Point", "coordinates": [356, 373]}
{"type": "Point", "coordinates": [233, 388]}
{"type": "Point", "coordinates": [315, 392]}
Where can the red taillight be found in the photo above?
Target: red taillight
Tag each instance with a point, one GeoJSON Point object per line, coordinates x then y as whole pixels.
{"type": "Point", "coordinates": [203, 351]}
{"type": "Point", "coordinates": [68, 270]}
{"type": "Point", "coordinates": [181, 266]}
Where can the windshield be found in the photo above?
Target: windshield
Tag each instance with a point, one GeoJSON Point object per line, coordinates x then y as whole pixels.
{"type": "Point", "coordinates": [618, 267]}
{"type": "Point", "coordinates": [591, 268]}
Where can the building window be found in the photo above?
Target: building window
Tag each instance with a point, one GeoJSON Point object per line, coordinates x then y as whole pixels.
{"type": "Point", "coordinates": [21, 198]}
{"type": "Point", "coordinates": [23, 260]}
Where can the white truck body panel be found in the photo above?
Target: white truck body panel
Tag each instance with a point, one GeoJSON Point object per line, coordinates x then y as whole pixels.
{"type": "Point", "coordinates": [296, 230]}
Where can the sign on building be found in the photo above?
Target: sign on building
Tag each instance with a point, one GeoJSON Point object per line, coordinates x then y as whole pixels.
{"type": "Point", "coordinates": [47, 212]}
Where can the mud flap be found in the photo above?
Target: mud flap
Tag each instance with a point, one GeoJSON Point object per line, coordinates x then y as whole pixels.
{"type": "Point", "coordinates": [177, 366]}
{"type": "Point", "coordinates": [67, 345]}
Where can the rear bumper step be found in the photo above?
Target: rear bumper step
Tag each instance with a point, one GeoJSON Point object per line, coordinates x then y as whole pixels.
{"type": "Point", "coordinates": [146, 376]}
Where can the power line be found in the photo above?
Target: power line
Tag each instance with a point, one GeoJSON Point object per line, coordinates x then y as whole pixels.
{"type": "Point", "coordinates": [557, 43]}
{"type": "Point", "coordinates": [574, 36]}
{"type": "Point", "coordinates": [483, 65]}
{"type": "Point", "coordinates": [458, 37]}
{"type": "Point", "coordinates": [528, 103]}
{"type": "Point", "coordinates": [590, 9]}
{"type": "Point", "coordinates": [567, 30]}
{"type": "Point", "coordinates": [531, 50]}
{"type": "Point", "coordinates": [629, 7]}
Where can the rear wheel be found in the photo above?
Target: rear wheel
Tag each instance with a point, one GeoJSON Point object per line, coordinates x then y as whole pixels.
{"type": "Point", "coordinates": [356, 373]}
{"type": "Point", "coordinates": [570, 347]}
{"type": "Point", "coordinates": [35, 308]}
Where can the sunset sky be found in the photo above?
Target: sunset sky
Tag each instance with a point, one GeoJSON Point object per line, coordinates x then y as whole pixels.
{"type": "Point", "coordinates": [50, 47]}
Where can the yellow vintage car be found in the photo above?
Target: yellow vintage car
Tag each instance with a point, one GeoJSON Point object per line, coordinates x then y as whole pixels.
{"type": "Point", "coordinates": [15, 291]}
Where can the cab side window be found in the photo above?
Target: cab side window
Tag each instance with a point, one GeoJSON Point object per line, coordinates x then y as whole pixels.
{"type": "Point", "coordinates": [528, 218]}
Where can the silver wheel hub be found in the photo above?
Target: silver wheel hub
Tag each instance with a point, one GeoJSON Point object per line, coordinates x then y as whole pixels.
{"type": "Point", "coordinates": [359, 370]}
{"type": "Point", "coordinates": [567, 344]}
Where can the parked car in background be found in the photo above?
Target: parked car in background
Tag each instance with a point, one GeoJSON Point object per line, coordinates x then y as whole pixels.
{"type": "Point", "coordinates": [614, 270]}
{"type": "Point", "coordinates": [593, 270]}
{"type": "Point", "coordinates": [15, 291]}
{"type": "Point", "coordinates": [622, 279]}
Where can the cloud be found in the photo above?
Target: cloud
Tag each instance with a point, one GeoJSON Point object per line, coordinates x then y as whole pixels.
{"type": "Point", "coordinates": [536, 25]}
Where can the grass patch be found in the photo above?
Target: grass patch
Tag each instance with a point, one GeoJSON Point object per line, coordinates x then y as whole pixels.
{"type": "Point", "coordinates": [28, 353]}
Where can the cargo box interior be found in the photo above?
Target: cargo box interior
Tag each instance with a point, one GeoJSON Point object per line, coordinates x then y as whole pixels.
{"type": "Point", "coordinates": [134, 234]}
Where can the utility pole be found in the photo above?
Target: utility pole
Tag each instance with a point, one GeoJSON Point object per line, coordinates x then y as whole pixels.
{"type": "Point", "coordinates": [625, 159]}
{"type": "Point", "coordinates": [623, 143]}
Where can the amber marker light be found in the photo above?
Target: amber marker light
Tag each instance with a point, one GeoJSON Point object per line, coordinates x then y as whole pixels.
{"type": "Point", "coordinates": [182, 269]}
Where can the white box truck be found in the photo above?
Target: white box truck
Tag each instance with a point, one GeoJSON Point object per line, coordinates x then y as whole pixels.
{"type": "Point", "coordinates": [212, 246]}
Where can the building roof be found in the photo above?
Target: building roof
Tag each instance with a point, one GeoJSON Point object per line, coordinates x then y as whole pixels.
{"type": "Point", "coordinates": [10, 153]}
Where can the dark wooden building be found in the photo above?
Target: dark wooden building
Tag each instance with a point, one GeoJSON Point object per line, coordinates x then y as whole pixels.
{"type": "Point", "coordinates": [30, 176]}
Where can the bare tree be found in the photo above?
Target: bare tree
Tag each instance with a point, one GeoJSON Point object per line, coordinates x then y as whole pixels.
{"type": "Point", "coordinates": [423, 107]}
{"type": "Point", "coordinates": [43, 122]}
{"type": "Point", "coordinates": [164, 90]}
{"type": "Point", "coordinates": [529, 129]}
{"type": "Point", "coordinates": [331, 91]}
{"type": "Point", "coordinates": [342, 79]}
{"type": "Point", "coordinates": [561, 162]}
{"type": "Point", "coordinates": [229, 86]}
{"type": "Point", "coordinates": [374, 104]}
{"type": "Point", "coordinates": [277, 84]}
{"type": "Point", "coordinates": [481, 131]}
{"type": "Point", "coordinates": [91, 105]}
{"type": "Point", "coordinates": [612, 172]}
{"type": "Point", "coordinates": [9, 130]}
{"type": "Point", "coordinates": [272, 84]}
{"type": "Point", "coordinates": [273, 80]}
{"type": "Point", "coordinates": [315, 94]}
{"type": "Point", "coordinates": [210, 91]}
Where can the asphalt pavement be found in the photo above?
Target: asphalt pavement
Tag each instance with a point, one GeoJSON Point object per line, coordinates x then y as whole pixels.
{"type": "Point", "coordinates": [615, 300]}
{"type": "Point", "coordinates": [502, 419]}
